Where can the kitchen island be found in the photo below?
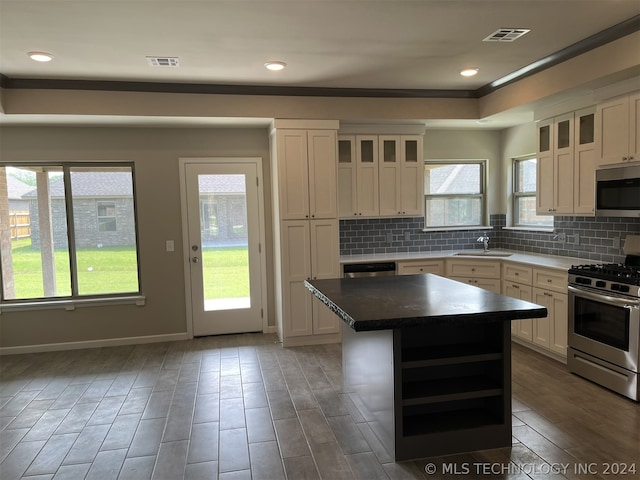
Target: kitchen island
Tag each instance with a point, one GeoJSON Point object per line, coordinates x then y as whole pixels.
{"type": "Point", "coordinates": [427, 360]}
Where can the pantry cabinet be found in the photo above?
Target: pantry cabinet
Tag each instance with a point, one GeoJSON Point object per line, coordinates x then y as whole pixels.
{"type": "Point", "coordinates": [306, 233]}
{"type": "Point", "coordinates": [310, 252]}
{"type": "Point", "coordinates": [380, 175]}
{"type": "Point", "coordinates": [307, 174]}
{"type": "Point", "coordinates": [617, 133]}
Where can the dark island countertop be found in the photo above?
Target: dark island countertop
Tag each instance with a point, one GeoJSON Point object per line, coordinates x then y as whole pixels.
{"type": "Point", "coordinates": [380, 303]}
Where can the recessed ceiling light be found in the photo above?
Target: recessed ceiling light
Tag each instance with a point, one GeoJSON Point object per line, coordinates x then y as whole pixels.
{"type": "Point", "coordinates": [469, 72]}
{"type": "Point", "coordinates": [275, 66]}
{"type": "Point", "coordinates": [40, 56]}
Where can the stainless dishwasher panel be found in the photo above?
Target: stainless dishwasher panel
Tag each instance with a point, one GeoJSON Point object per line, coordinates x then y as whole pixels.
{"type": "Point", "coordinates": [374, 269]}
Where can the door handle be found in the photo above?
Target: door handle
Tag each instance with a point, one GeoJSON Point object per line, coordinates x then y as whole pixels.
{"type": "Point", "coordinates": [195, 260]}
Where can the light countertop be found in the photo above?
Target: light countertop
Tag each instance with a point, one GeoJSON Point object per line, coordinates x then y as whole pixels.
{"type": "Point", "coordinates": [529, 259]}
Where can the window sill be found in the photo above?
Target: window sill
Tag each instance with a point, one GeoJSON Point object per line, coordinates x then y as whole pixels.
{"type": "Point", "coordinates": [453, 229]}
{"type": "Point", "coordinates": [71, 305]}
{"type": "Point", "coordinates": [530, 229]}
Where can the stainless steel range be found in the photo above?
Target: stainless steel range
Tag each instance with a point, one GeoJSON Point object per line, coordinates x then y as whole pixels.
{"type": "Point", "coordinates": [604, 324]}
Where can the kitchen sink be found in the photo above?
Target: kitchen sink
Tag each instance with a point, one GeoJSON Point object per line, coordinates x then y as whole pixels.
{"type": "Point", "coordinates": [482, 254]}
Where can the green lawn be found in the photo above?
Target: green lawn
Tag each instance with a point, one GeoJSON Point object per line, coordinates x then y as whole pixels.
{"type": "Point", "coordinates": [225, 272]}
{"type": "Point", "coordinates": [113, 270]}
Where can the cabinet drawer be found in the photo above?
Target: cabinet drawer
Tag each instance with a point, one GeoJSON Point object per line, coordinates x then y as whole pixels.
{"type": "Point", "coordinates": [517, 273]}
{"type": "Point", "coordinates": [475, 269]}
{"type": "Point", "coordinates": [418, 267]}
{"type": "Point", "coordinates": [554, 280]}
{"type": "Point", "coordinates": [491, 284]}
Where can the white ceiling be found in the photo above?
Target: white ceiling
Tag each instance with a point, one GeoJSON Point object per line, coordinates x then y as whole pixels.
{"type": "Point", "coordinates": [372, 44]}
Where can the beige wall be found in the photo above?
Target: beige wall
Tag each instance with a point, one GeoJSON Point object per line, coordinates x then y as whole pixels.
{"type": "Point", "coordinates": [155, 153]}
{"type": "Point", "coordinates": [516, 142]}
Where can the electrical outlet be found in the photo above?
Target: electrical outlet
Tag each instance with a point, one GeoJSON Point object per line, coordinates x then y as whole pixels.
{"type": "Point", "coordinates": [389, 237]}
{"type": "Point", "coordinates": [407, 236]}
{"type": "Point", "coordinates": [576, 239]}
{"type": "Point", "coordinates": [170, 246]}
{"type": "Point", "coordinates": [616, 242]}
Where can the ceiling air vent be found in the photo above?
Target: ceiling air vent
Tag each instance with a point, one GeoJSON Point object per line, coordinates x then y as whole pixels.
{"type": "Point", "coordinates": [163, 61]}
{"type": "Point", "coordinates": [506, 35]}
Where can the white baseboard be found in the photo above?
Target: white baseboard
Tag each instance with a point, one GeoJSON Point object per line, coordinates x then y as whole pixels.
{"type": "Point", "coordinates": [109, 342]}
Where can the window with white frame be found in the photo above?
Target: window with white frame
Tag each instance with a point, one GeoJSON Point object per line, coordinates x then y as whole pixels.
{"type": "Point", "coordinates": [524, 195]}
{"type": "Point", "coordinates": [82, 239]}
{"type": "Point", "coordinates": [454, 193]}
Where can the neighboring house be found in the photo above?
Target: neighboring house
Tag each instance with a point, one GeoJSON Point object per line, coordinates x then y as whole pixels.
{"type": "Point", "coordinates": [103, 210]}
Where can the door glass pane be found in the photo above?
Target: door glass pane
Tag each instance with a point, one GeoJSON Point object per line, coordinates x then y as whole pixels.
{"type": "Point", "coordinates": [411, 151]}
{"type": "Point", "coordinates": [563, 134]}
{"type": "Point", "coordinates": [224, 240]}
{"type": "Point", "coordinates": [37, 263]}
{"type": "Point", "coordinates": [587, 129]}
{"type": "Point", "coordinates": [389, 148]}
{"type": "Point", "coordinates": [366, 151]}
{"type": "Point", "coordinates": [344, 151]}
{"type": "Point", "coordinates": [545, 139]}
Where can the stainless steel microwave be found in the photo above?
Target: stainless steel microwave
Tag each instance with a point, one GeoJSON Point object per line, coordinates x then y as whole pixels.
{"type": "Point", "coordinates": [618, 191]}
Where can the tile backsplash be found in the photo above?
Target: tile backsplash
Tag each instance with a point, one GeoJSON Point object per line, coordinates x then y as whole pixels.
{"type": "Point", "coordinates": [597, 239]}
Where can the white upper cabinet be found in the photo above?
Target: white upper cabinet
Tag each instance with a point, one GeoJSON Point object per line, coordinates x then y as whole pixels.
{"type": "Point", "coordinates": [617, 134]}
{"type": "Point", "coordinates": [555, 166]}
{"type": "Point", "coordinates": [367, 175]}
{"type": "Point", "coordinates": [584, 163]}
{"type": "Point", "coordinates": [307, 174]}
{"type": "Point", "coordinates": [347, 185]}
{"type": "Point", "coordinates": [412, 176]}
{"type": "Point", "coordinates": [389, 173]}
{"type": "Point", "coordinates": [380, 175]}
{"type": "Point", "coordinates": [565, 164]}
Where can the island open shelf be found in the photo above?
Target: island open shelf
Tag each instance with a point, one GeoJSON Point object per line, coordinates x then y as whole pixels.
{"type": "Point", "coordinates": [431, 375]}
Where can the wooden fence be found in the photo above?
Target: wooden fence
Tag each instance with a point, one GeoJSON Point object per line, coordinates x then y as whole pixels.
{"type": "Point", "coordinates": [20, 224]}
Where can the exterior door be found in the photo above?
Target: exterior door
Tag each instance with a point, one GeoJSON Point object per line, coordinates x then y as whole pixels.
{"type": "Point", "coordinates": [224, 252]}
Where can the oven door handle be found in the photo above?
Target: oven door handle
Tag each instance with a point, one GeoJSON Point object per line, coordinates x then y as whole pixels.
{"type": "Point", "coordinates": [599, 297]}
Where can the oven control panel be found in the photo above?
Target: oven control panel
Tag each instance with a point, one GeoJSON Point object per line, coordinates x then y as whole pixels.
{"type": "Point", "coordinates": [605, 286]}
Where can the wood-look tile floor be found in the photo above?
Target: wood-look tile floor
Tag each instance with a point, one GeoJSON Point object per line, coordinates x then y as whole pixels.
{"type": "Point", "coordinates": [242, 407]}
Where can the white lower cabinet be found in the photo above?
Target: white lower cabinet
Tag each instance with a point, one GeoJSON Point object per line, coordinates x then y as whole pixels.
{"type": "Point", "coordinates": [417, 267]}
{"type": "Point", "coordinates": [520, 328]}
{"type": "Point", "coordinates": [479, 273]}
{"type": "Point", "coordinates": [309, 250]}
{"type": "Point", "coordinates": [546, 287]}
{"type": "Point", "coordinates": [491, 284]}
{"type": "Point", "coordinates": [551, 332]}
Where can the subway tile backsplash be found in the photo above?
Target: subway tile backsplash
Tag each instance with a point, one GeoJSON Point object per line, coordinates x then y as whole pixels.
{"type": "Point", "coordinates": [598, 239]}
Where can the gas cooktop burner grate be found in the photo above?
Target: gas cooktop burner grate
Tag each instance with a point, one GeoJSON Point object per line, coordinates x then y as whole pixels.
{"type": "Point", "coordinates": [617, 272]}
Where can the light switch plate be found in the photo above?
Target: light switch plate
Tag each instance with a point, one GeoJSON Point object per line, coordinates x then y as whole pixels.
{"type": "Point", "coordinates": [170, 246]}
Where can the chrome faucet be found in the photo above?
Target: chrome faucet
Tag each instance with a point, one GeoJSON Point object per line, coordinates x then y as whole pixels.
{"type": "Point", "coordinates": [484, 239]}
